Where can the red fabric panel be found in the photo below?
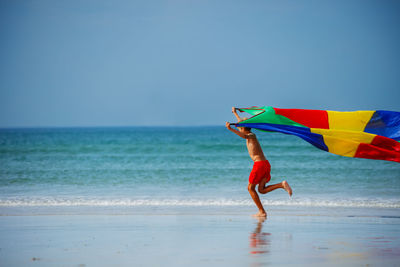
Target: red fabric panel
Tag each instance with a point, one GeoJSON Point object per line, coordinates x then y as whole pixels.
{"type": "Point", "coordinates": [306, 117]}
{"type": "Point", "coordinates": [368, 151]}
{"type": "Point", "coordinates": [386, 143]}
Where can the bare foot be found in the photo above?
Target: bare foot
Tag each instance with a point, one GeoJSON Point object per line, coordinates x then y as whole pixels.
{"type": "Point", "coordinates": [287, 187]}
{"type": "Point", "coordinates": [260, 214]}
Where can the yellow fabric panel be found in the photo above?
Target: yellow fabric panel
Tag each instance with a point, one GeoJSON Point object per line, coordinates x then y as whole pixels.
{"type": "Point", "coordinates": [344, 143]}
{"type": "Point", "coordinates": [353, 121]}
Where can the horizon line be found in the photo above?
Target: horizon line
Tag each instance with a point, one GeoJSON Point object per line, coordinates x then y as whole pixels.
{"type": "Point", "coordinates": [107, 126]}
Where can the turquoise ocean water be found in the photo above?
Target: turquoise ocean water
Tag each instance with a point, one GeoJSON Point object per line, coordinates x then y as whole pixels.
{"type": "Point", "coordinates": [183, 166]}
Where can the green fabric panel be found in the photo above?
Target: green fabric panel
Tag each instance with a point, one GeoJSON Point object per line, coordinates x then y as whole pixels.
{"type": "Point", "coordinates": [252, 111]}
{"type": "Point", "coordinates": [269, 116]}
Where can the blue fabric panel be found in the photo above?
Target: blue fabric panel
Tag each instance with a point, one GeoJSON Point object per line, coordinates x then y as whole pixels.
{"type": "Point", "coordinates": [385, 123]}
{"type": "Point", "coordinates": [316, 140]}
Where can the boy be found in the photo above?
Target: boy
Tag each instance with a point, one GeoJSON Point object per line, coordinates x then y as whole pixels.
{"type": "Point", "coordinates": [260, 174]}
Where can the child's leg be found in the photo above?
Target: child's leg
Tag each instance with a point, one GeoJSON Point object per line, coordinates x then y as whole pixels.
{"type": "Point", "coordinates": [265, 189]}
{"type": "Point", "coordinates": [256, 199]}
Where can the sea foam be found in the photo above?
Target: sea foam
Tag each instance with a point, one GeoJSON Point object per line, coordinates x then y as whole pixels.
{"type": "Point", "coordinates": [99, 202]}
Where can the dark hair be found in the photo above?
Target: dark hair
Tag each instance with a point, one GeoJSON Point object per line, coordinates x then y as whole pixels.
{"type": "Point", "coordinates": [247, 128]}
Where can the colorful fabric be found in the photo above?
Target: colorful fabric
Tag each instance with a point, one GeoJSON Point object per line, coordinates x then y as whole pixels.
{"type": "Point", "coordinates": [372, 134]}
{"type": "Point", "coordinates": [260, 170]}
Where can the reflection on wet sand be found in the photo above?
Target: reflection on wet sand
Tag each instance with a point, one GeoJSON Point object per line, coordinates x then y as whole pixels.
{"type": "Point", "coordinates": [259, 240]}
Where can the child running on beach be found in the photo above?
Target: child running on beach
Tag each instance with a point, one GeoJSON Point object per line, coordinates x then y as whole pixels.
{"type": "Point", "coordinates": [260, 174]}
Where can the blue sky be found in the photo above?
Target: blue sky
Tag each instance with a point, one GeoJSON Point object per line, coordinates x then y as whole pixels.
{"type": "Point", "coordinates": [126, 63]}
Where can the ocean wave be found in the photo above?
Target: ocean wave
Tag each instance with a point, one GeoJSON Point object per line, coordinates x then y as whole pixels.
{"type": "Point", "coordinates": [99, 202]}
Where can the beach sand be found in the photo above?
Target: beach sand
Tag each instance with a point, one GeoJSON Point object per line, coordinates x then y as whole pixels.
{"type": "Point", "coordinates": [199, 237]}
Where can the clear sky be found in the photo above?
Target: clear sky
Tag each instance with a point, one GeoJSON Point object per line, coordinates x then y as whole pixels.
{"type": "Point", "coordinates": [187, 62]}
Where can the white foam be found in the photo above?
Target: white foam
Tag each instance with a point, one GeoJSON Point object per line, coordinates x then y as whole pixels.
{"type": "Point", "coordinates": [103, 202]}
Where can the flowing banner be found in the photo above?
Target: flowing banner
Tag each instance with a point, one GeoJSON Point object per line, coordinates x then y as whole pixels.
{"type": "Point", "coordinates": [371, 134]}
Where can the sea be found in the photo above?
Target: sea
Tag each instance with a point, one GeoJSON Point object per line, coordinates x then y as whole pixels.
{"type": "Point", "coordinates": [128, 168]}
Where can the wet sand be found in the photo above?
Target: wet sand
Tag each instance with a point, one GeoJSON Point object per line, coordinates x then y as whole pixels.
{"type": "Point", "coordinates": [288, 237]}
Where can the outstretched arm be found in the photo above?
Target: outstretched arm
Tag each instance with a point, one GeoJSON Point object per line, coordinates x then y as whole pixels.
{"type": "Point", "coordinates": [236, 115]}
{"type": "Point", "coordinates": [228, 126]}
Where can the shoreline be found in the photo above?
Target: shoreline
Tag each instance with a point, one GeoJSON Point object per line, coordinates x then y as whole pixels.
{"type": "Point", "coordinates": [202, 210]}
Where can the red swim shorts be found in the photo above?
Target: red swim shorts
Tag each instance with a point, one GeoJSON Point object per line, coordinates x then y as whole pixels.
{"type": "Point", "coordinates": [260, 170]}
